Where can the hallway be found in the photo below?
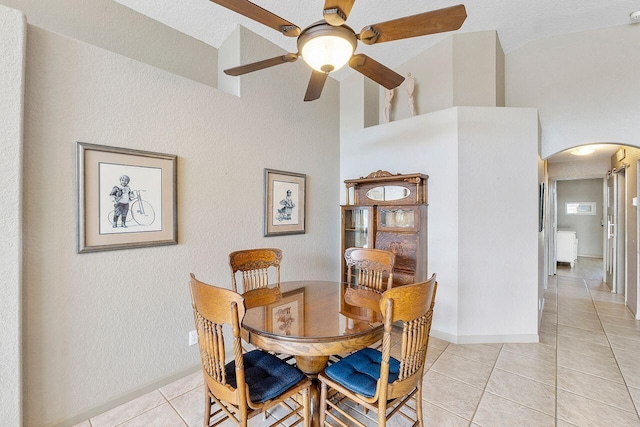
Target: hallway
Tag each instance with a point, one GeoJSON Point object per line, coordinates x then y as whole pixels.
{"type": "Point", "coordinates": [584, 372]}
{"type": "Point", "coordinates": [597, 345]}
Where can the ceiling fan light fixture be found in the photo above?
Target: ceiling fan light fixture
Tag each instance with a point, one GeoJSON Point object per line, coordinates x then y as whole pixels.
{"type": "Point", "coordinates": [326, 48]}
{"type": "Point", "coordinates": [327, 53]}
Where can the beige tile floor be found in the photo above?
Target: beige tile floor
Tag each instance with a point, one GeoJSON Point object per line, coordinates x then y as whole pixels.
{"type": "Point", "coordinates": [584, 372]}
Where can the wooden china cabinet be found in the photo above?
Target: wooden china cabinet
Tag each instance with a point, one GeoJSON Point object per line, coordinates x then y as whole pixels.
{"type": "Point", "coordinates": [386, 211]}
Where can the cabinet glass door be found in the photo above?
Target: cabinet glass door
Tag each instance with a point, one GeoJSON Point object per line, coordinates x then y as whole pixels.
{"type": "Point", "coordinates": [357, 226]}
{"type": "Point", "coordinates": [398, 217]}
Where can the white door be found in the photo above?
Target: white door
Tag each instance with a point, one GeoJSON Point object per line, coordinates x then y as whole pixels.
{"type": "Point", "coordinates": [615, 246]}
{"type": "Point", "coordinates": [621, 233]}
{"type": "Point", "coordinates": [610, 250]}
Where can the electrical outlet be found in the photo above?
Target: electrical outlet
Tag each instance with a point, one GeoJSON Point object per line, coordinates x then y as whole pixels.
{"type": "Point", "coordinates": [193, 338]}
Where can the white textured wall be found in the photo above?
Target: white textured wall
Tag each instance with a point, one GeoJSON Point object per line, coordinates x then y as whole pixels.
{"type": "Point", "coordinates": [589, 228]}
{"type": "Point", "coordinates": [498, 224]}
{"type": "Point", "coordinates": [544, 236]}
{"type": "Point", "coordinates": [475, 69]}
{"type": "Point", "coordinates": [500, 86]}
{"type": "Point", "coordinates": [101, 325]}
{"type": "Point", "coordinates": [462, 70]}
{"type": "Point", "coordinates": [585, 86]}
{"type": "Point", "coordinates": [424, 144]}
{"type": "Point", "coordinates": [432, 71]}
{"type": "Point", "coordinates": [631, 159]}
{"type": "Point", "coordinates": [115, 27]}
{"type": "Point", "coordinates": [483, 175]}
{"type": "Point", "coordinates": [583, 169]}
{"type": "Point", "coordinates": [13, 32]}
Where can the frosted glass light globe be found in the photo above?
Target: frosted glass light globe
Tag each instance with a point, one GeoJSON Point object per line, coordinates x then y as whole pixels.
{"type": "Point", "coordinates": [327, 53]}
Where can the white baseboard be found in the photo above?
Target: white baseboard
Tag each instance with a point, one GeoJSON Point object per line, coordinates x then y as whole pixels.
{"type": "Point", "coordinates": [127, 397]}
{"type": "Point", "coordinates": [485, 339]}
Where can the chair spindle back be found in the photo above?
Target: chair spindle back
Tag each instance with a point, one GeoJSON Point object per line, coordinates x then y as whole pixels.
{"type": "Point", "coordinates": [373, 267]}
{"type": "Point", "coordinates": [254, 264]}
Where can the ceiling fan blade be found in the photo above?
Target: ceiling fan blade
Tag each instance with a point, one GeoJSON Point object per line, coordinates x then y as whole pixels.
{"type": "Point", "coordinates": [432, 22]}
{"type": "Point", "coordinates": [248, 68]}
{"type": "Point", "coordinates": [263, 16]}
{"type": "Point", "coordinates": [316, 84]}
{"type": "Point", "coordinates": [375, 71]}
{"type": "Point", "coordinates": [336, 12]}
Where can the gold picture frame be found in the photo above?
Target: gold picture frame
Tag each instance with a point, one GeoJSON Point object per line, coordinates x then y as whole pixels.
{"type": "Point", "coordinates": [125, 198]}
{"type": "Point", "coordinates": [285, 202]}
{"type": "Point", "coordinates": [286, 316]}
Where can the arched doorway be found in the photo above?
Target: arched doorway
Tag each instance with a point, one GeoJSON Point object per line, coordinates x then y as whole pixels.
{"type": "Point", "coordinates": [617, 166]}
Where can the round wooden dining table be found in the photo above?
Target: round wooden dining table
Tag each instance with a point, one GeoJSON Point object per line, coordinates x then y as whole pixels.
{"type": "Point", "coordinates": [311, 321]}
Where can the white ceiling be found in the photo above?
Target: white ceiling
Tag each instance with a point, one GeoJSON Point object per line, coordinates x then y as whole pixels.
{"type": "Point", "coordinates": [602, 151]}
{"type": "Point", "coordinates": [517, 22]}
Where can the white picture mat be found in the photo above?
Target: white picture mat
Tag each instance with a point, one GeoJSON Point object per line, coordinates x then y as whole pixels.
{"type": "Point", "coordinates": [146, 179]}
{"type": "Point", "coordinates": [280, 189]}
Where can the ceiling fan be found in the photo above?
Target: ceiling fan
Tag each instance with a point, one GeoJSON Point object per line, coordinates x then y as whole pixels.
{"type": "Point", "coordinates": [329, 44]}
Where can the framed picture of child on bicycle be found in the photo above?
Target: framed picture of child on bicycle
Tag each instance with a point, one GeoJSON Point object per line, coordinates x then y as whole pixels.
{"type": "Point", "coordinates": [126, 198]}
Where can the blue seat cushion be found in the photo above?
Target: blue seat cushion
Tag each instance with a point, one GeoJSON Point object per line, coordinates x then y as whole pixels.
{"type": "Point", "coordinates": [360, 371]}
{"type": "Point", "coordinates": [266, 375]}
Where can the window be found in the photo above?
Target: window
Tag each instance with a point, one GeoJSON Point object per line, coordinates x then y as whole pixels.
{"type": "Point", "coordinates": [580, 208]}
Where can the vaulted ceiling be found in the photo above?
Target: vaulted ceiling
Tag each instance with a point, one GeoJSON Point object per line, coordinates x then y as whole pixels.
{"type": "Point", "coordinates": [517, 22]}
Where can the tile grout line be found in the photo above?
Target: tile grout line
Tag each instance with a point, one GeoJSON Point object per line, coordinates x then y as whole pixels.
{"type": "Point", "coordinates": [613, 352]}
{"type": "Point", "coordinates": [558, 343]}
{"type": "Point", "coordinates": [526, 357]}
{"type": "Point", "coordinates": [434, 362]}
{"type": "Point", "coordinates": [593, 303]}
{"type": "Point", "coordinates": [555, 409]}
{"type": "Point", "coordinates": [178, 412]}
{"type": "Point", "coordinates": [484, 389]}
{"type": "Point", "coordinates": [144, 412]}
{"type": "Point", "coordinates": [589, 374]}
{"type": "Point", "coordinates": [445, 409]}
{"type": "Point", "coordinates": [177, 396]}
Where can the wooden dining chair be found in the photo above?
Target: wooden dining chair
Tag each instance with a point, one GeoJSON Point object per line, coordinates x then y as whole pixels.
{"type": "Point", "coordinates": [373, 378]}
{"type": "Point", "coordinates": [253, 265]}
{"type": "Point", "coordinates": [373, 267]}
{"type": "Point", "coordinates": [250, 383]}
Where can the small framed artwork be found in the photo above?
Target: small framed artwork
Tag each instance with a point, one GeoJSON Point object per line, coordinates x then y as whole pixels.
{"type": "Point", "coordinates": [286, 316]}
{"type": "Point", "coordinates": [541, 207]}
{"type": "Point", "coordinates": [125, 198]}
{"type": "Point", "coordinates": [284, 211]}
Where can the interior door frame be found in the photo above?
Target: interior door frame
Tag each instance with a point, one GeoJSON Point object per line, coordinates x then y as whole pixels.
{"type": "Point", "coordinates": [637, 247]}
{"type": "Point", "coordinates": [605, 224]}
{"type": "Point", "coordinates": [609, 258]}
{"type": "Point", "coordinates": [619, 228]}
{"type": "Point", "coordinates": [552, 227]}
{"type": "Point", "coordinates": [625, 232]}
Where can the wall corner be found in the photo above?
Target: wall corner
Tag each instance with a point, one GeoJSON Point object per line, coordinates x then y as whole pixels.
{"type": "Point", "coordinates": [352, 109]}
{"type": "Point", "coordinates": [228, 57]}
{"type": "Point", "coordinates": [500, 74]}
{"type": "Point", "coordinates": [475, 70]}
{"type": "Point", "coordinates": [13, 36]}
